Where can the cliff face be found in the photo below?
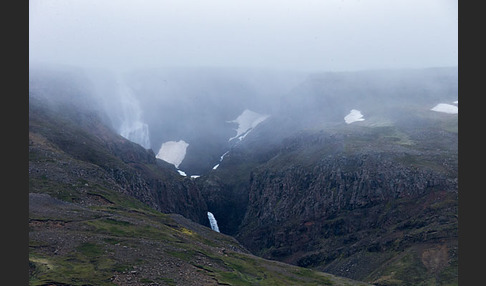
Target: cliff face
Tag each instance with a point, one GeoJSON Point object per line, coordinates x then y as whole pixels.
{"type": "Point", "coordinates": [75, 149]}
{"type": "Point", "coordinates": [359, 208]}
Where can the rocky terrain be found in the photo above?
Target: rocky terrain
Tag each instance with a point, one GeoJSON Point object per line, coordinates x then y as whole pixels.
{"type": "Point", "coordinates": [104, 211]}
{"type": "Point", "coordinates": [373, 204]}
{"type": "Point", "coordinates": [359, 214]}
{"type": "Point", "coordinates": [374, 201]}
{"type": "Point", "coordinates": [89, 156]}
{"type": "Point", "coordinates": [115, 244]}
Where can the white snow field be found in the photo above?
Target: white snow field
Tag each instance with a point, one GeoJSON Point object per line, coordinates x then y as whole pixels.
{"type": "Point", "coordinates": [446, 108]}
{"type": "Point", "coordinates": [247, 121]}
{"type": "Point", "coordinates": [353, 116]}
{"type": "Point", "coordinates": [173, 152]}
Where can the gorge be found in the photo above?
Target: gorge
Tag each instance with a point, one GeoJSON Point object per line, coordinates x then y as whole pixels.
{"type": "Point", "coordinates": [352, 174]}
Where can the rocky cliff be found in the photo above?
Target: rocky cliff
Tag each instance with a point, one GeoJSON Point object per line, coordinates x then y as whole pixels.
{"type": "Point", "coordinates": [81, 154]}
{"type": "Point", "coordinates": [373, 208]}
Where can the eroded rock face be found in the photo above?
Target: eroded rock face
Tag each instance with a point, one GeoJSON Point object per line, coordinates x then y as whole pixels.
{"type": "Point", "coordinates": [78, 152]}
{"type": "Point", "coordinates": [337, 208]}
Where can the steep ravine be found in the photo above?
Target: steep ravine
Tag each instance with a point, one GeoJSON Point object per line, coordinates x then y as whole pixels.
{"type": "Point", "coordinates": [104, 211]}
{"type": "Point", "coordinates": [364, 211]}
{"type": "Point", "coordinates": [374, 201]}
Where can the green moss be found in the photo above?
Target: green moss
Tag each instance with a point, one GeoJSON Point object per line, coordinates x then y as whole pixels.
{"type": "Point", "coordinates": [72, 269]}
{"type": "Point", "coordinates": [59, 190]}
{"type": "Point", "coordinates": [449, 275]}
{"type": "Point", "coordinates": [119, 229]}
{"type": "Point", "coordinates": [235, 278]}
{"type": "Point", "coordinates": [90, 249]}
{"type": "Point", "coordinates": [121, 267]}
{"type": "Point", "coordinates": [111, 240]}
{"type": "Point", "coordinates": [406, 270]}
{"type": "Point", "coordinates": [250, 270]}
{"type": "Point", "coordinates": [168, 281]}
{"type": "Point", "coordinates": [183, 254]}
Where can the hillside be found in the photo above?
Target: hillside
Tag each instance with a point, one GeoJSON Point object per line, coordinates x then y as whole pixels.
{"type": "Point", "coordinates": [128, 243]}
{"type": "Point", "coordinates": [105, 211]}
{"type": "Point", "coordinates": [352, 174]}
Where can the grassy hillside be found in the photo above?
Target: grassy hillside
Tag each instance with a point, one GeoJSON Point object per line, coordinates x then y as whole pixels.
{"type": "Point", "coordinates": [95, 219]}
{"type": "Point", "coordinates": [113, 244]}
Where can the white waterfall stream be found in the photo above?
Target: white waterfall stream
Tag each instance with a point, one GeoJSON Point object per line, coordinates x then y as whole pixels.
{"type": "Point", "coordinates": [132, 127]}
{"type": "Point", "coordinates": [213, 222]}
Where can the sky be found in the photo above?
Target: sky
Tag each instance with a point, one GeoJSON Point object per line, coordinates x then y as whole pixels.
{"type": "Point", "coordinates": [299, 35]}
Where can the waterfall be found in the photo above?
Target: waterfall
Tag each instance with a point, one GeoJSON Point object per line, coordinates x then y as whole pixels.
{"type": "Point", "coordinates": [132, 127]}
{"type": "Point", "coordinates": [213, 222]}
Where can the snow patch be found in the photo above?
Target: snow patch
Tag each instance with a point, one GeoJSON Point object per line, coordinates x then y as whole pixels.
{"type": "Point", "coordinates": [220, 160]}
{"type": "Point", "coordinates": [173, 152]}
{"type": "Point", "coordinates": [445, 108]}
{"type": "Point", "coordinates": [353, 116]}
{"type": "Point", "coordinates": [222, 156]}
{"type": "Point", "coordinates": [247, 121]}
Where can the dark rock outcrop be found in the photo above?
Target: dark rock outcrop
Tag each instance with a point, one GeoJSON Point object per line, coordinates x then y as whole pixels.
{"type": "Point", "coordinates": [70, 146]}
{"type": "Point", "coordinates": [348, 201]}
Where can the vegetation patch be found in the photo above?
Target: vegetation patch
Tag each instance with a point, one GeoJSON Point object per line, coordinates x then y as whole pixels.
{"type": "Point", "coordinates": [183, 254]}
{"type": "Point", "coordinates": [406, 269]}
{"type": "Point", "coordinates": [168, 281]}
{"type": "Point", "coordinates": [111, 240]}
{"type": "Point", "coordinates": [249, 270]}
{"type": "Point", "coordinates": [90, 250]}
{"type": "Point", "coordinates": [72, 269]}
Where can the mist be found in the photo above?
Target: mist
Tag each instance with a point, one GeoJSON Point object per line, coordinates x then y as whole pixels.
{"type": "Point", "coordinates": [212, 110]}
{"type": "Point", "coordinates": [186, 71]}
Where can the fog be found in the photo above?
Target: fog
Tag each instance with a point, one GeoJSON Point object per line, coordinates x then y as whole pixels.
{"type": "Point", "coordinates": [307, 35]}
{"type": "Point", "coordinates": [211, 110]}
{"type": "Point", "coordinates": [187, 71]}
